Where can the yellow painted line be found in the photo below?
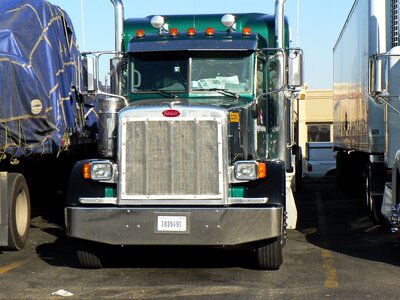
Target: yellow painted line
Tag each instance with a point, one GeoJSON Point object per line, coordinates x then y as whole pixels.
{"type": "Point", "coordinates": [328, 263]}
{"type": "Point", "coordinates": [8, 268]}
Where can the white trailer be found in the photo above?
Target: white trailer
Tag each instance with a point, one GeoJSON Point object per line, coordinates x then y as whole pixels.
{"type": "Point", "coordinates": [366, 101]}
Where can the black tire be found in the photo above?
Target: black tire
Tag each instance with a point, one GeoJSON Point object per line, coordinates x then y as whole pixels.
{"type": "Point", "coordinates": [269, 254]}
{"type": "Point", "coordinates": [19, 214]}
{"type": "Point", "coordinates": [88, 254]}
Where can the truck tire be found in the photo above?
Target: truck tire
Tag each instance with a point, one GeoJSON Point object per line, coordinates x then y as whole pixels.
{"type": "Point", "coordinates": [269, 254]}
{"type": "Point", "coordinates": [88, 254]}
{"type": "Point", "coordinates": [19, 216]}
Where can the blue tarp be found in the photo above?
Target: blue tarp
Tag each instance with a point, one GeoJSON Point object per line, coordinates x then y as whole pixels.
{"type": "Point", "coordinates": [39, 59]}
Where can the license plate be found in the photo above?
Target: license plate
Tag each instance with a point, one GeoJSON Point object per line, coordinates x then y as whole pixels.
{"type": "Point", "coordinates": [171, 223]}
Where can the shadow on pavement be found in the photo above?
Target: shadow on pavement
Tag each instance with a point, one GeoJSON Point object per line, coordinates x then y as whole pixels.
{"type": "Point", "coordinates": [338, 221]}
{"type": "Point", "coordinates": [62, 253]}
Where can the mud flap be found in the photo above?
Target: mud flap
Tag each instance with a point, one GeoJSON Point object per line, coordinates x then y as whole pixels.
{"type": "Point", "coordinates": [291, 210]}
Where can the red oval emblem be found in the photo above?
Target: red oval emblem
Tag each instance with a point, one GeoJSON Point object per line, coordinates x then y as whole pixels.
{"type": "Point", "coordinates": [171, 113]}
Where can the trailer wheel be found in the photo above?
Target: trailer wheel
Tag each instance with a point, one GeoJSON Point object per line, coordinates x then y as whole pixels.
{"type": "Point", "coordinates": [19, 216]}
{"type": "Point", "coordinates": [269, 254]}
{"type": "Point", "coordinates": [88, 254]}
{"type": "Point", "coordinates": [373, 202]}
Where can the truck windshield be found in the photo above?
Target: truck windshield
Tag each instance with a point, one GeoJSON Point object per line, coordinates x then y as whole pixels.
{"type": "Point", "coordinates": [191, 72]}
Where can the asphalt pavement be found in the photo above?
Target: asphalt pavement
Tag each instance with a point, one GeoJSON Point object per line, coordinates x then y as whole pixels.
{"type": "Point", "coordinates": [335, 252]}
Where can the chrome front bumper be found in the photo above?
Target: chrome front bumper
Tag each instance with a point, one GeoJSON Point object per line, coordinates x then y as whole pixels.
{"type": "Point", "coordinates": [203, 226]}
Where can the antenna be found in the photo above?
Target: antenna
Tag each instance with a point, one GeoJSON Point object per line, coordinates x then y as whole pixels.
{"type": "Point", "coordinates": [194, 13]}
{"type": "Point", "coordinates": [83, 27]}
{"type": "Point", "coordinates": [297, 23]}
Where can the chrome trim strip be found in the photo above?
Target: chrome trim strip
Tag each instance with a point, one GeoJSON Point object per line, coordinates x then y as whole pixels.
{"type": "Point", "coordinates": [98, 200]}
{"type": "Point", "coordinates": [248, 200]}
{"type": "Point", "coordinates": [174, 202]}
{"type": "Point", "coordinates": [164, 201]}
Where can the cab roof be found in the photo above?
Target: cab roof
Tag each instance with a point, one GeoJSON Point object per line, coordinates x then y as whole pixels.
{"type": "Point", "coordinates": [262, 25]}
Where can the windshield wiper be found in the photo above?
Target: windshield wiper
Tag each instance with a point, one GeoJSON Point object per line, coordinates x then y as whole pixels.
{"type": "Point", "coordinates": [165, 93]}
{"type": "Point", "coordinates": [225, 92]}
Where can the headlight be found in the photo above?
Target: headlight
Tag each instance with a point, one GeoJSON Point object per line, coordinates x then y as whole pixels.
{"type": "Point", "coordinates": [98, 170]}
{"type": "Point", "coordinates": [246, 170]}
{"type": "Point", "coordinates": [101, 170]}
{"type": "Point", "coordinates": [249, 170]}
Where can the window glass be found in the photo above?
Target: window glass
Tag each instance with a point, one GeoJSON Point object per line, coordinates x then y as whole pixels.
{"type": "Point", "coordinates": [206, 72]}
{"type": "Point", "coordinates": [159, 73]}
{"type": "Point", "coordinates": [319, 133]}
{"type": "Point", "coordinates": [231, 73]}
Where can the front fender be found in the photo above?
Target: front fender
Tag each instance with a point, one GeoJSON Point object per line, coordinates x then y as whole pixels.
{"type": "Point", "coordinates": [80, 187]}
{"type": "Point", "coordinates": [273, 186]}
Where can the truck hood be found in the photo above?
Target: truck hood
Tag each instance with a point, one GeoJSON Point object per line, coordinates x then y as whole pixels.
{"type": "Point", "coordinates": [222, 102]}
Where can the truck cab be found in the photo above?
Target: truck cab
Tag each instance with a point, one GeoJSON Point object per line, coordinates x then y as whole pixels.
{"type": "Point", "coordinates": [196, 151]}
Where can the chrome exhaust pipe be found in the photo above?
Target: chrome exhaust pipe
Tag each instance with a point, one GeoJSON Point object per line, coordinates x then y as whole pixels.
{"type": "Point", "coordinates": [119, 47]}
{"type": "Point", "coordinates": [119, 24]}
{"type": "Point", "coordinates": [284, 105]}
{"type": "Point", "coordinates": [280, 23]}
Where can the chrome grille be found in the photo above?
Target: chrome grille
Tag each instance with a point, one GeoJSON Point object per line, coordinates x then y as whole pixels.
{"type": "Point", "coordinates": [172, 159]}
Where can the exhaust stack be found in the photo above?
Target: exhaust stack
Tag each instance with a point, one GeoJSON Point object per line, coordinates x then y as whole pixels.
{"type": "Point", "coordinates": [284, 105]}
{"type": "Point", "coordinates": [280, 22]}
{"type": "Point", "coordinates": [119, 24]}
{"type": "Point", "coordinates": [119, 46]}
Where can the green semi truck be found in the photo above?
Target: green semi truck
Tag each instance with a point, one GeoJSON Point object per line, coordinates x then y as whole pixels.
{"type": "Point", "coordinates": [197, 142]}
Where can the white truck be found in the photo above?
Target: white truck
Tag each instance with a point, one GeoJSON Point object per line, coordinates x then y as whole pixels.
{"type": "Point", "coordinates": [366, 104]}
{"type": "Point", "coordinates": [320, 159]}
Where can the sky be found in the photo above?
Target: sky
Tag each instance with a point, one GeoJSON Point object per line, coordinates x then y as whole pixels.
{"type": "Point", "coordinates": [317, 22]}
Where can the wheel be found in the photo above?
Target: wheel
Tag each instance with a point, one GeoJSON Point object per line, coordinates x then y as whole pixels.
{"type": "Point", "coordinates": [269, 254]}
{"type": "Point", "coordinates": [373, 202]}
{"type": "Point", "coordinates": [88, 254]}
{"type": "Point", "coordinates": [19, 216]}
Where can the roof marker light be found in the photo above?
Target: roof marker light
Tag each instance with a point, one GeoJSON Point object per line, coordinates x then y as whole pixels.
{"type": "Point", "coordinates": [210, 31]}
{"type": "Point", "coordinates": [173, 32]}
{"type": "Point", "coordinates": [229, 21]}
{"type": "Point", "coordinates": [140, 33]}
{"type": "Point", "coordinates": [246, 31]}
{"type": "Point", "coordinates": [191, 31]}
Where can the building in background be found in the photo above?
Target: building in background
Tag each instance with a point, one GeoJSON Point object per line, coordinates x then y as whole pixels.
{"type": "Point", "coordinates": [316, 117]}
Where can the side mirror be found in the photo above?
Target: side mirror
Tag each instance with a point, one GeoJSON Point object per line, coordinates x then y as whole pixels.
{"type": "Point", "coordinates": [295, 65]}
{"type": "Point", "coordinates": [377, 80]}
{"type": "Point", "coordinates": [89, 74]}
